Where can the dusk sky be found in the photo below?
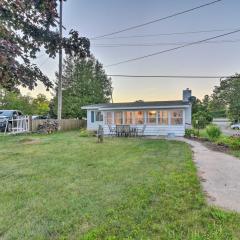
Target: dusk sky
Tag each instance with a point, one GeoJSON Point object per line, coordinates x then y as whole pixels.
{"type": "Point", "coordinates": [93, 17]}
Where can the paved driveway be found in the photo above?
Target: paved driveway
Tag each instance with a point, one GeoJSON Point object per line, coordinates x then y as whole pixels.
{"type": "Point", "coordinates": [224, 124]}
{"type": "Point", "coordinates": [220, 175]}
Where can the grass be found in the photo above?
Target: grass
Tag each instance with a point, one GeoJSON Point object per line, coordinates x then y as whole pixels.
{"type": "Point", "coordinates": [63, 186]}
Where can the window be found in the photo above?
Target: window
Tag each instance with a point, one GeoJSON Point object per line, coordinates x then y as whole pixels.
{"type": "Point", "coordinates": [128, 117]}
{"type": "Point", "coordinates": [99, 117]}
{"type": "Point", "coordinates": [108, 118]}
{"type": "Point", "coordinates": [92, 116]}
{"type": "Point", "coordinates": [163, 117]}
{"type": "Point", "coordinates": [152, 115]}
{"type": "Point", "coordinates": [177, 117]}
{"type": "Point", "coordinates": [118, 118]}
{"type": "Point", "coordinates": [139, 117]}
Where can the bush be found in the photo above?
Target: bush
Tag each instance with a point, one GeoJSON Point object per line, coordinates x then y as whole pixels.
{"type": "Point", "coordinates": [190, 132]}
{"type": "Point", "coordinates": [86, 133]}
{"type": "Point", "coordinates": [233, 142]}
{"type": "Point", "coordinates": [213, 132]}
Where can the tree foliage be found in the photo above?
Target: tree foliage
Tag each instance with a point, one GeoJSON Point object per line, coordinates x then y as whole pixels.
{"type": "Point", "coordinates": [201, 119]}
{"type": "Point", "coordinates": [26, 26]}
{"type": "Point", "coordinates": [84, 82]}
{"type": "Point", "coordinates": [26, 104]}
{"type": "Point", "coordinates": [228, 95]}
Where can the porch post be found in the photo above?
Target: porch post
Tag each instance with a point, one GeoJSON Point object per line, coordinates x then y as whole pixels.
{"type": "Point", "coordinates": [113, 120]}
{"type": "Point", "coordinates": [184, 117]}
{"type": "Point", "coordinates": [145, 117]}
{"type": "Point", "coordinates": [169, 117]}
{"type": "Point", "coordinates": [123, 117]}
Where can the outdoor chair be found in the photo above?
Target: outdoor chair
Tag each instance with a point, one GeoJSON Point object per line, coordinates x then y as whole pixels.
{"type": "Point", "coordinates": [112, 130]}
{"type": "Point", "coordinates": [141, 131]}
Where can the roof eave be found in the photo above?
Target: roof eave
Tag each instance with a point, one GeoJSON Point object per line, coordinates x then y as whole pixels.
{"type": "Point", "coordinates": [143, 107]}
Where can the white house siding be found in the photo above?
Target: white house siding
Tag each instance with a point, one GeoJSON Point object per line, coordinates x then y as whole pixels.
{"type": "Point", "coordinates": [157, 130]}
{"type": "Point", "coordinates": [188, 117]}
{"type": "Point", "coordinates": [151, 129]}
{"type": "Point", "coordinates": [92, 125]}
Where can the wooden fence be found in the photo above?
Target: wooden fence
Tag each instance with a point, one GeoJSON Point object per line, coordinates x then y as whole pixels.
{"type": "Point", "coordinates": [66, 124]}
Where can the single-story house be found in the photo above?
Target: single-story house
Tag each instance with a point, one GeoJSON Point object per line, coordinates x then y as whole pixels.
{"type": "Point", "coordinates": [158, 118]}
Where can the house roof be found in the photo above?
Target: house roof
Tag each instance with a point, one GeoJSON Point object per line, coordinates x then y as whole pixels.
{"type": "Point", "coordinates": [138, 104]}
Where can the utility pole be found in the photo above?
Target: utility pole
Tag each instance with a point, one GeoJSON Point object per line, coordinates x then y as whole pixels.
{"type": "Point", "coordinates": [60, 68]}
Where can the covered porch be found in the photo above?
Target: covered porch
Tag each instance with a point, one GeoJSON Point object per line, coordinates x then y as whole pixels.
{"type": "Point", "coordinates": [143, 122]}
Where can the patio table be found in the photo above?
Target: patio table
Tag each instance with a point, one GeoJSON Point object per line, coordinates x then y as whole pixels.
{"type": "Point", "coordinates": [126, 130]}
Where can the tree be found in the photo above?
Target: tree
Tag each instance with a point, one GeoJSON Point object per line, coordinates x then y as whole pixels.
{"type": "Point", "coordinates": [26, 26]}
{"type": "Point", "coordinates": [227, 95]}
{"type": "Point", "coordinates": [41, 104]}
{"type": "Point", "coordinates": [26, 104]}
{"type": "Point", "coordinates": [84, 82]}
{"type": "Point", "coordinates": [196, 105]}
{"type": "Point", "coordinates": [201, 119]}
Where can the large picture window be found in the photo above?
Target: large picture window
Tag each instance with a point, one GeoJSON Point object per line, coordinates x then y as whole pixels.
{"type": "Point", "coordinates": [177, 117]}
{"type": "Point", "coordinates": [118, 118]}
{"type": "Point", "coordinates": [108, 118]}
{"type": "Point", "coordinates": [152, 117]}
{"type": "Point", "coordinates": [128, 117]}
{"type": "Point", "coordinates": [139, 117]}
{"type": "Point", "coordinates": [163, 117]}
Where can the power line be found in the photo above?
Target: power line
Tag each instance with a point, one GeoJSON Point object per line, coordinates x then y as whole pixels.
{"type": "Point", "coordinates": [156, 20]}
{"type": "Point", "coordinates": [165, 34]}
{"type": "Point", "coordinates": [168, 76]}
{"type": "Point", "coordinates": [109, 45]}
{"type": "Point", "coordinates": [172, 49]}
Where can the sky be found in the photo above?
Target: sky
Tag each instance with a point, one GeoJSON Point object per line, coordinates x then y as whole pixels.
{"type": "Point", "coordinates": [93, 18]}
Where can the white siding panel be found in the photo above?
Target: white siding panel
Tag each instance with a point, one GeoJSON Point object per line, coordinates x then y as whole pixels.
{"type": "Point", "coordinates": [92, 126]}
{"type": "Point", "coordinates": [157, 130]}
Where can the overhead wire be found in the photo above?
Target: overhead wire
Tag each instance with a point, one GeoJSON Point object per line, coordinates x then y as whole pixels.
{"type": "Point", "coordinates": [109, 45]}
{"type": "Point", "coordinates": [172, 49]}
{"type": "Point", "coordinates": [156, 20]}
{"type": "Point", "coordinates": [166, 34]}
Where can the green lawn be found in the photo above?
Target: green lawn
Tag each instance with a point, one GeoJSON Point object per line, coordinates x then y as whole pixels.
{"type": "Point", "coordinates": [63, 186]}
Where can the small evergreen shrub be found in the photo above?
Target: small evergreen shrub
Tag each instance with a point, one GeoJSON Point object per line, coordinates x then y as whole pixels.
{"type": "Point", "coordinates": [213, 132]}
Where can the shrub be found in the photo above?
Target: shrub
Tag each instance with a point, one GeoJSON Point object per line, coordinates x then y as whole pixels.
{"type": "Point", "coordinates": [233, 142]}
{"type": "Point", "coordinates": [86, 133]}
{"type": "Point", "coordinates": [190, 132]}
{"type": "Point", "coordinates": [213, 132]}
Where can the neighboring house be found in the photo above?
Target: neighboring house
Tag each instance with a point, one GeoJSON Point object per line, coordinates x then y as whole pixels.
{"type": "Point", "coordinates": [160, 117]}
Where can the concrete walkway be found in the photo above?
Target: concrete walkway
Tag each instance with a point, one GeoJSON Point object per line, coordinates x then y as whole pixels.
{"type": "Point", "coordinates": [219, 174]}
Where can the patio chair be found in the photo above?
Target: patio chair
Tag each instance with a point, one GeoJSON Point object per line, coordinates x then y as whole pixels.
{"type": "Point", "coordinates": [112, 130]}
{"type": "Point", "coordinates": [141, 131]}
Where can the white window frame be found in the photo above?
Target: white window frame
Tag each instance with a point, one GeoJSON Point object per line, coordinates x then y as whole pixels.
{"type": "Point", "coordinates": [107, 119]}
{"type": "Point", "coordinates": [148, 118]}
{"type": "Point", "coordinates": [136, 119]}
{"type": "Point", "coordinates": [163, 118]}
{"type": "Point", "coordinates": [121, 119]}
{"type": "Point", "coordinates": [96, 116]}
{"type": "Point", "coordinates": [171, 117]}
